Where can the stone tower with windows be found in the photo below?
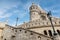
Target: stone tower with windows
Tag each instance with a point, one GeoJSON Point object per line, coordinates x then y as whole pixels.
{"type": "Point", "coordinates": [36, 12]}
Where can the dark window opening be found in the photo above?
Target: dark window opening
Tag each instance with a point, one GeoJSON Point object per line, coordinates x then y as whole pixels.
{"type": "Point", "coordinates": [43, 17]}
{"type": "Point", "coordinates": [39, 37]}
{"type": "Point", "coordinates": [12, 29]}
{"type": "Point", "coordinates": [20, 30]}
{"type": "Point", "coordinates": [45, 32]}
{"type": "Point", "coordinates": [58, 32]}
{"type": "Point", "coordinates": [13, 36]}
{"type": "Point", "coordinates": [50, 33]}
{"type": "Point", "coordinates": [25, 31]}
{"type": "Point", "coordinates": [15, 30]}
{"type": "Point", "coordinates": [1, 36]}
{"type": "Point", "coordinates": [47, 39]}
{"type": "Point", "coordinates": [4, 39]}
{"type": "Point", "coordinates": [31, 33]}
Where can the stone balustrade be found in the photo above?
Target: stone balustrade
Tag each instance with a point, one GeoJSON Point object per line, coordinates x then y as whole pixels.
{"type": "Point", "coordinates": [39, 24]}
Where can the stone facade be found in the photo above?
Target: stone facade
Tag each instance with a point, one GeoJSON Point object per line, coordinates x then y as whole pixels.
{"type": "Point", "coordinates": [12, 33]}
{"type": "Point", "coordinates": [38, 28]}
{"type": "Point", "coordinates": [2, 25]}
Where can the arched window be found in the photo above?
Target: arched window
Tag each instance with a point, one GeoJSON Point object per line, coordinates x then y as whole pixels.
{"type": "Point", "coordinates": [45, 32]}
{"type": "Point", "coordinates": [58, 32]}
{"type": "Point", "coordinates": [39, 37]}
{"type": "Point", "coordinates": [13, 36]}
{"type": "Point", "coordinates": [4, 39]}
{"type": "Point", "coordinates": [20, 30]}
{"type": "Point", "coordinates": [25, 31]}
{"type": "Point", "coordinates": [31, 34]}
{"type": "Point", "coordinates": [50, 33]}
{"type": "Point", "coordinates": [15, 30]}
{"type": "Point", "coordinates": [43, 17]}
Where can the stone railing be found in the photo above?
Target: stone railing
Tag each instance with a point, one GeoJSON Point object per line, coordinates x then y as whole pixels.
{"type": "Point", "coordinates": [38, 24]}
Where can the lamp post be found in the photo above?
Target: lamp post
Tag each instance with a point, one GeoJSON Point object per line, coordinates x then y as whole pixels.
{"type": "Point", "coordinates": [54, 32]}
{"type": "Point", "coordinates": [16, 21]}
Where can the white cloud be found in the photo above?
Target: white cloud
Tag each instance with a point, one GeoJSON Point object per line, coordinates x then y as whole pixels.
{"type": "Point", "coordinates": [5, 15]}
{"type": "Point", "coordinates": [4, 8]}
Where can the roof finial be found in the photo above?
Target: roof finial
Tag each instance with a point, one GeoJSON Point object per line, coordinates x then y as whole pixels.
{"type": "Point", "coordinates": [17, 21]}
{"type": "Point", "coordinates": [33, 3]}
{"type": "Point", "coordinates": [6, 20]}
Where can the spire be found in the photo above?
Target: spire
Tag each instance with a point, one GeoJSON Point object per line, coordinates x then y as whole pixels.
{"type": "Point", "coordinates": [17, 21]}
{"type": "Point", "coordinates": [33, 3]}
{"type": "Point", "coordinates": [6, 20]}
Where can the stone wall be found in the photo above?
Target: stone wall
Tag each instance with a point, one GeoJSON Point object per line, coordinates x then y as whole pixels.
{"type": "Point", "coordinates": [1, 33]}
{"type": "Point", "coordinates": [23, 34]}
{"type": "Point", "coordinates": [11, 33]}
{"type": "Point", "coordinates": [2, 25]}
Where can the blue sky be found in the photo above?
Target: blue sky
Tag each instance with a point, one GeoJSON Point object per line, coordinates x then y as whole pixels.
{"type": "Point", "coordinates": [11, 9]}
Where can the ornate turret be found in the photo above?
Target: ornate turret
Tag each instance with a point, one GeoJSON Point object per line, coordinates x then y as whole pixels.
{"type": "Point", "coordinates": [34, 8]}
{"type": "Point", "coordinates": [36, 12]}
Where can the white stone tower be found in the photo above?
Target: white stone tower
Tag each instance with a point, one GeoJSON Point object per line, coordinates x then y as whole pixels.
{"type": "Point", "coordinates": [36, 12]}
